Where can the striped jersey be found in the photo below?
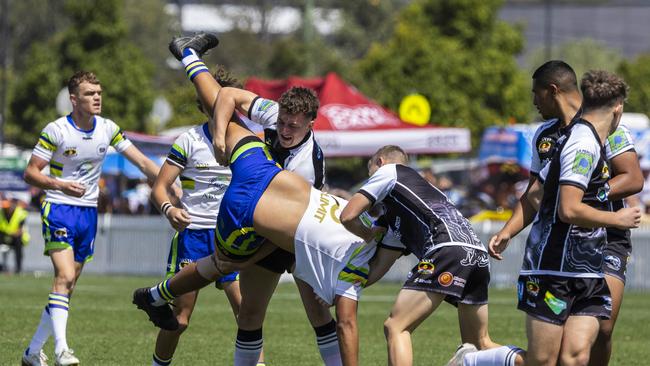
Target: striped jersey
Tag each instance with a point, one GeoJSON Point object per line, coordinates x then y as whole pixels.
{"type": "Point", "coordinates": [203, 180]}
{"type": "Point", "coordinates": [77, 155]}
{"type": "Point", "coordinates": [306, 159]}
{"type": "Point", "coordinates": [419, 216]}
{"type": "Point", "coordinates": [557, 248]}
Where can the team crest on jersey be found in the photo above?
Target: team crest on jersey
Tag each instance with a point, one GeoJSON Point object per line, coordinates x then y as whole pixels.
{"type": "Point", "coordinates": [545, 145]}
{"type": "Point", "coordinates": [101, 149]}
{"type": "Point", "coordinates": [425, 267]}
{"type": "Point", "coordinates": [445, 279]}
{"type": "Point", "coordinates": [613, 263]}
{"type": "Point", "coordinates": [605, 172]}
{"type": "Point", "coordinates": [582, 163]}
{"type": "Point", "coordinates": [70, 152]}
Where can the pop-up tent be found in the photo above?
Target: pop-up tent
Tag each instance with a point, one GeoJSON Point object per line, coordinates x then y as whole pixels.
{"type": "Point", "coordinates": [350, 124]}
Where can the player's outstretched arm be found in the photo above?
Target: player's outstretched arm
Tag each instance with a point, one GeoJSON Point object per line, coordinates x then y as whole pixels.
{"type": "Point", "coordinates": [178, 218]}
{"type": "Point", "coordinates": [33, 176]}
{"type": "Point", "coordinates": [573, 211]}
{"type": "Point", "coordinates": [628, 178]}
{"type": "Point", "coordinates": [349, 217]}
{"type": "Point", "coordinates": [522, 216]}
{"type": "Point", "coordinates": [381, 263]}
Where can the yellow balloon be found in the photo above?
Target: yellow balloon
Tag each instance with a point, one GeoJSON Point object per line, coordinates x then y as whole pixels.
{"type": "Point", "coordinates": [415, 109]}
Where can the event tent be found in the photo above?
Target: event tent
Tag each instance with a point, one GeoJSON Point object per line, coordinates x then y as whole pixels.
{"type": "Point", "coordinates": [350, 124]}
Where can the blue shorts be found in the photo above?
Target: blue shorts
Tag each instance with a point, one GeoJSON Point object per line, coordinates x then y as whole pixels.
{"type": "Point", "coordinates": [188, 246]}
{"type": "Point", "coordinates": [67, 226]}
{"type": "Point", "coordinates": [252, 168]}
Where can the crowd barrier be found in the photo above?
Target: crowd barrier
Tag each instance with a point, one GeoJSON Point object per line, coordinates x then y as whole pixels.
{"type": "Point", "coordinates": [139, 245]}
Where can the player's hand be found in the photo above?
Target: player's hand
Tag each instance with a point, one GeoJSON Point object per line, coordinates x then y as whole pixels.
{"type": "Point", "coordinates": [498, 244]}
{"type": "Point", "coordinates": [220, 152]}
{"type": "Point", "coordinates": [178, 218]}
{"type": "Point", "coordinates": [628, 218]}
{"type": "Point", "coordinates": [73, 189]}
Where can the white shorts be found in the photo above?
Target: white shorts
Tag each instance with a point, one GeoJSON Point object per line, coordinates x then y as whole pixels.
{"type": "Point", "coordinates": [332, 260]}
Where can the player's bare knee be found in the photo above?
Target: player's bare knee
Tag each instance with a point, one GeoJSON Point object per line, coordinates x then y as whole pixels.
{"type": "Point", "coordinates": [207, 268]}
{"type": "Point", "coordinates": [344, 325]}
{"type": "Point", "coordinates": [390, 328]}
{"type": "Point", "coordinates": [65, 281]}
{"type": "Point", "coordinates": [575, 359]}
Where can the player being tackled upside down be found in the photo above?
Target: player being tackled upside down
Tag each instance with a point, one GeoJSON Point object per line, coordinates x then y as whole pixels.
{"type": "Point", "coordinates": [248, 217]}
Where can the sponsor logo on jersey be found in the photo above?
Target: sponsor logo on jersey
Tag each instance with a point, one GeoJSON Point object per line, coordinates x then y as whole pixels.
{"type": "Point", "coordinates": [545, 145]}
{"type": "Point", "coordinates": [265, 104]}
{"type": "Point", "coordinates": [613, 263]}
{"type": "Point", "coordinates": [425, 267]}
{"type": "Point", "coordinates": [556, 305]}
{"type": "Point", "coordinates": [445, 279]}
{"type": "Point", "coordinates": [617, 141]}
{"type": "Point", "coordinates": [460, 282]}
{"type": "Point", "coordinates": [70, 152]}
{"type": "Point", "coordinates": [583, 162]}
{"type": "Point", "coordinates": [422, 280]}
{"type": "Point", "coordinates": [201, 165]}
{"type": "Point", "coordinates": [322, 210]}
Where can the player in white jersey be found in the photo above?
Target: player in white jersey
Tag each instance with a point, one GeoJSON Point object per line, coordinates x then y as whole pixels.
{"type": "Point", "coordinates": [288, 132]}
{"type": "Point", "coordinates": [248, 214]}
{"type": "Point", "coordinates": [204, 182]}
{"type": "Point", "coordinates": [74, 147]}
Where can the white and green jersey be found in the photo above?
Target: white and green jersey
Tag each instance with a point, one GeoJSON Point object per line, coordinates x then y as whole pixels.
{"type": "Point", "coordinates": [204, 181]}
{"type": "Point", "coordinates": [77, 155]}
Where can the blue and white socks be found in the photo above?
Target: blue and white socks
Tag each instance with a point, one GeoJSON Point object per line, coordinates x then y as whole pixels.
{"type": "Point", "coordinates": [161, 294]}
{"type": "Point", "coordinates": [193, 64]}
{"type": "Point", "coordinates": [59, 305]}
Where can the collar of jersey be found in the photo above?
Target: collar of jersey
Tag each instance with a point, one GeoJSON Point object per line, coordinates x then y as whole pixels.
{"type": "Point", "coordinates": [206, 131]}
{"type": "Point", "coordinates": [69, 118]}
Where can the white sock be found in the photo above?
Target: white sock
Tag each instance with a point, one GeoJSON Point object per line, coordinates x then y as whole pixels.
{"type": "Point", "coordinates": [189, 56]}
{"type": "Point", "coordinates": [160, 294]}
{"type": "Point", "coordinates": [59, 305]}
{"type": "Point", "coordinates": [328, 344]}
{"type": "Point", "coordinates": [43, 332]}
{"type": "Point", "coordinates": [248, 347]}
{"type": "Point", "coordinates": [500, 356]}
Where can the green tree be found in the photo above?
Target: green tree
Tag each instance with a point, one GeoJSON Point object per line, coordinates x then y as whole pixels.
{"type": "Point", "coordinates": [458, 55]}
{"type": "Point", "coordinates": [637, 75]}
{"type": "Point", "coordinates": [95, 40]}
{"type": "Point", "coordinates": [583, 55]}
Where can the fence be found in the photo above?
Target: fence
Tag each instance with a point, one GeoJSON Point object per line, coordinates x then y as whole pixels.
{"type": "Point", "coordinates": [139, 245]}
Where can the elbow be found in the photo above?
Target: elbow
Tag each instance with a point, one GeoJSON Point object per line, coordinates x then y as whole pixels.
{"type": "Point", "coordinates": [636, 185]}
{"type": "Point", "coordinates": [566, 214]}
{"type": "Point", "coordinates": [347, 219]}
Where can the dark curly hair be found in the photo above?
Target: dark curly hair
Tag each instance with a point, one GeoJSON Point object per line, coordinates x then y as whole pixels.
{"type": "Point", "coordinates": [602, 89]}
{"type": "Point", "coordinates": [300, 100]}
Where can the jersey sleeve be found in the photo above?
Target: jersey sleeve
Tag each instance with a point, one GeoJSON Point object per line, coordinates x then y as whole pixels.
{"type": "Point", "coordinates": [618, 142]}
{"type": "Point", "coordinates": [579, 159]}
{"type": "Point", "coordinates": [382, 182]}
{"type": "Point", "coordinates": [264, 112]}
{"type": "Point", "coordinates": [535, 162]}
{"type": "Point", "coordinates": [179, 151]}
{"type": "Point", "coordinates": [48, 142]}
{"type": "Point", "coordinates": [118, 138]}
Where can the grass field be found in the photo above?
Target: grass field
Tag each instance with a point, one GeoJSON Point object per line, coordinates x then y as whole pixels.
{"type": "Point", "coordinates": [104, 328]}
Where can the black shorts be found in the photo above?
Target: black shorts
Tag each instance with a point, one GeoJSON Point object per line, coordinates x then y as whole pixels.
{"type": "Point", "coordinates": [553, 298]}
{"type": "Point", "coordinates": [462, 273]}
{"type": "Point", "coordinates": [279, 261]}
{"type": "Point", "coordinates": [615, 257]}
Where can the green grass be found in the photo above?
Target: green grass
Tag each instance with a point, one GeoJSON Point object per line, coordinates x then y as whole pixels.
{"type": "Point", "coordinates": [104, 328]}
